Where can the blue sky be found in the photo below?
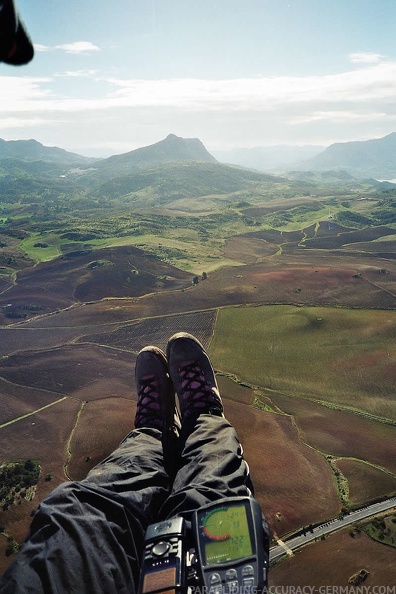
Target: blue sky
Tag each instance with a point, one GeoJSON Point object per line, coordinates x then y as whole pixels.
{"type": "Point", "coordinates": [112, 76]}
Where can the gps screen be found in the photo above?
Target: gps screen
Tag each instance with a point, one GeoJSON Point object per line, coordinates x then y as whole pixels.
{"type": "Point", "coordinates": [226, 534]}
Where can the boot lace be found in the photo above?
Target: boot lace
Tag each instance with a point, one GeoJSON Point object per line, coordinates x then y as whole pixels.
{"type": "Point", "coordinates": [197, 394]}
{"type": "Point", "coordinates": [148, 413]}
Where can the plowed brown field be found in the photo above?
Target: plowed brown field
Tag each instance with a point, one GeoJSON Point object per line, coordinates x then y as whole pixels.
{"type": "Point", "coordinates": [365, 481]}
{"type": "Point", "coordinates": [340, 434]}
{"type": "Point", "coordinates": [283, 469]}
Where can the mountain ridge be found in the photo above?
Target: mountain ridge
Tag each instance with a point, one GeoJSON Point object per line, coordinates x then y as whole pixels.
{"type": "Point", "coordinates": [172, 149]}
{"type": "Point", "coordinates": [32, 150]}
{"type": "Point", "coordinates": [171, 169]}
{"type": "Point", "coordinates": [374, 158]}
{"type": "Point", "coordinates": [364, 158]}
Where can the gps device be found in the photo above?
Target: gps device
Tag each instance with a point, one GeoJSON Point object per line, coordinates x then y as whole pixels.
{"type": "Point", "coordinates": [163, 566]}
{"type": "Point", "coordinates": [232, 546]}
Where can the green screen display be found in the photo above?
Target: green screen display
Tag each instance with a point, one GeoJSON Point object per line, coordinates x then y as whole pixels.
{"type": "Point", "coordinates": [226, 533]}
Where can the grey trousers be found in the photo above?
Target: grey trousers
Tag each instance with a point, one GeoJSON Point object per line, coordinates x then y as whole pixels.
{"type": "Point", "coordinates": [87, 536]}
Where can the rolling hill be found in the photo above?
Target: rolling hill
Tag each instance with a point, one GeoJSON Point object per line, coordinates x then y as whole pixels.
{"type": "Point", "coordinates": [172, 181]}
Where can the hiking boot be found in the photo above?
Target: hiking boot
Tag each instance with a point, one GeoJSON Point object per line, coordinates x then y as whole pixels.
{"type": "Point", "coordinates": [156, 398]}
{"type": "Point", "coordinates": [193, 377]}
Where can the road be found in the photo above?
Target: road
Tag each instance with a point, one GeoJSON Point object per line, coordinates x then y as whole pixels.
{"type": "Point", "coordinates": [288, 546]}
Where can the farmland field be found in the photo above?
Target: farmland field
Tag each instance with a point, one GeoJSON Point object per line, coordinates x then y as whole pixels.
{"type": "Point", "coordinates": [338, 432]}
{"type": "Point", "coordinates": [346, 357]}
{"type": "Point", "coordinates": [366, 481]}
{"type": "Point", "coordinates": [294, 497]}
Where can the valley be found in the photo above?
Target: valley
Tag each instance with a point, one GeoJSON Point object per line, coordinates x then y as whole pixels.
{"type": "Point", "coordinates": [290, 284]}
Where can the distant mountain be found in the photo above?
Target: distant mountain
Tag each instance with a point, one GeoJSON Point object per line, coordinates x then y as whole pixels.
{"type": "Point", "coordinates": [370, 158]}
{"type": "Point", "coordinates": [271, 159]}
{"type": "Point", "coordinates": [172, 169]}
{"type": "Point", "coordinates": [374, 158]}
{"type": "Point", "coordinates": [173, 149]}
{"type": "Point", "coordinates": [31, 150]}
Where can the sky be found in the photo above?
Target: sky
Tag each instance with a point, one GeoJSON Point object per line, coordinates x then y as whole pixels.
{"type": "Point", "coordinates": [112, 76]}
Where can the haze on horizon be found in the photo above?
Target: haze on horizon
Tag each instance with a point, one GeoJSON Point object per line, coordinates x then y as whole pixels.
{"type": "Point", "coordinates": [111, 77]}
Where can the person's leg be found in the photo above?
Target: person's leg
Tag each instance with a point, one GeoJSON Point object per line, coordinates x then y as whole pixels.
{"type": "Point", "coordinates": [87, 536]}
{"type": "Point", "coordinates": [138, 471]}
{"type": "Point", "coordinates": [212, 467]}
{"type": "Point", "coordinates": [211, 462]}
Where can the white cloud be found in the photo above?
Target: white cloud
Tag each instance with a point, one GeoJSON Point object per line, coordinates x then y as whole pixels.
{"type": "Point", "coordinates": [21, 123]}
{"type": "Point", "coordinates": [76, 74]}
{"type": "Point", "coordinates": [343, 105]}
{"type": "Point", "coordinates": [39, 47]}
{"type": "Point", "coordinates": [365, 58]}
{"type": "Point", "coordinates": [372, 85]}
{"type": "Point", "coordinates": [78, 47]}
{"type": "Point", "coordinates": [25, 93]}
{"type": "Point", "coordinates": [342, 117]}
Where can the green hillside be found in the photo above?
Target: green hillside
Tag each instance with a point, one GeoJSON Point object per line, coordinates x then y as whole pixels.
{"type": "Point", "coordinates": [182, 180]}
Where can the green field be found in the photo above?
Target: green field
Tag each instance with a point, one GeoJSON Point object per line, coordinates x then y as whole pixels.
{"type": "Point", "coordinates": [31, 246]}
{"type": "Point", "coordinates": [341, 356]}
